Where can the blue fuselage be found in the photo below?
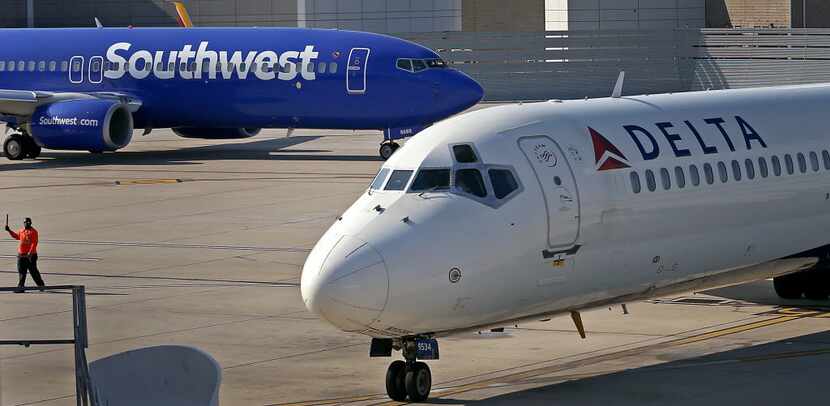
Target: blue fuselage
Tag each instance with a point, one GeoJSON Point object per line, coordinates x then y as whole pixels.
{"type": "Point", "coordinates": [242, 77]}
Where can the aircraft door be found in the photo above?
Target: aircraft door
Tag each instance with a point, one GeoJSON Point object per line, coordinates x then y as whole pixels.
{"type": "Point", "coordinates": [76, 69]}
{"type": "Point", "coordinates": [96, 69]}
{"type": "Point", "coordinates": [356, 71]}
{"type": "Point", "coordinates": [560, 193]}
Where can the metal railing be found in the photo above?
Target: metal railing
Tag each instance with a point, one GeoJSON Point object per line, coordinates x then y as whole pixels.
{"type": "Point", "coordinates": [577, 64]}
{"type": "Point", "coordinates": [84, 395]}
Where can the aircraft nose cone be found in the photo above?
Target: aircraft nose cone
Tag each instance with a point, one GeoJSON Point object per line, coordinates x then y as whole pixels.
{"type": "Point", "coordinates": [466, 92]}
{"type": "Point", "coordinates": [347, 285]}
{"type": "Point", "coordinates": [476, 92]}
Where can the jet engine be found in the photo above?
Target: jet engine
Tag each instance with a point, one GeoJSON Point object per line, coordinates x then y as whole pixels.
{"type": "Point", "coordinates": [216, 133]}
{"type": "Point", "coordinates": [88, 124]}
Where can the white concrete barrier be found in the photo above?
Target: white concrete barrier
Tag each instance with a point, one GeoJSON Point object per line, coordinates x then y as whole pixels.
{"type": "Point", "coordinates": [159, 376]}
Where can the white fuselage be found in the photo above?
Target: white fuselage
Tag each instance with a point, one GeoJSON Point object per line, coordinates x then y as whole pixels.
{"type": "Point", "coordinates": [615, 199]}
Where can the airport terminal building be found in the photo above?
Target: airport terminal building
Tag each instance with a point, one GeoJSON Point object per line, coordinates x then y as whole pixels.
{"type": "Point", "coordinates": [413, 16]}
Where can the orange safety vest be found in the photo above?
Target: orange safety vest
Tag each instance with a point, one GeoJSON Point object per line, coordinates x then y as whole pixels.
{"type": "Point", "coordinates": [28, 240]}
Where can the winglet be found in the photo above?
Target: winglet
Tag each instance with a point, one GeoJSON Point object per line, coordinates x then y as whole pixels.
{"type": "Point", "coordinates": [98, 23]}
{"type": "Point", "coordinates": [619, 86]}
{"type": "Point", "coordinates": [182, 15]}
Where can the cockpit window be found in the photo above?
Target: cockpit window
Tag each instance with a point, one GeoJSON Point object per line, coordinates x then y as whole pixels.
{"type": "Point", "coordinates": [379, 179]}
{"type": "Point", "coordinates": [431, 179]}
{"type": "Point", "coordinates": [503, 181]}
{"type": "Point", "coordinates": [464, 154]}
{"type": "Point", "coordinates": [398, 180]}
{"type": "Point", "coordinates": [419, 65]}
{"type": "Point", "coordinates": [405, 64]}
{"type": "Point", "coordinates": [470, 181]}
{"type": "Point", "coordinates": [436, 63]}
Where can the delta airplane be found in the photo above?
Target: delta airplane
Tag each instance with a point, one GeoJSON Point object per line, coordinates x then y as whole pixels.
{"type": "Point", "coordinates": [88, 89]}
{"type": "Point", "coordinates": [526, 211]}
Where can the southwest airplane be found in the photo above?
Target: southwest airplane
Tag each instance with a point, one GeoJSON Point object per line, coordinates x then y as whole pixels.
{"type": "Point", "coordinates": [88, 89]}
{"type": "Point", "coordinates": [522, 212]}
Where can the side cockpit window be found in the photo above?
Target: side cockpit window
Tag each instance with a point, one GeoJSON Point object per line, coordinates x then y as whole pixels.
{"type": "Point", "coordinates": [418, 65]}
{"type": "Point", "coordinates": [398, 180]}
{"type": "Point", "coordinates": [379, 179]}
{"type": "Point", "coordinates": [431, 179]}
{"type": "Point", "coordinates": [491, 184]}
{"type": "Point", "coordinates": [436, 63]}
{"type": "Point", "coordinates": [504, 183]}
{"type": "Point", "coordinates": [405, 64]}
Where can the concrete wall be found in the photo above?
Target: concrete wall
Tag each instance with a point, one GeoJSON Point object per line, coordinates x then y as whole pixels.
{"type": "Point", "coordinates": [623, 14]}
{"type": "Point", "coordinates": [503, 16]}
{"type": "Point", "coordinates": [385, 16]}
{"type": "Point", "coordinates": [749, 13]}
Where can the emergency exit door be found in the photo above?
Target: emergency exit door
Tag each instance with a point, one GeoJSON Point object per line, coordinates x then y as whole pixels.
{"type": "Point", "coordinates": [559, 190]}
{"type": "Point", "coordinates": [76, 69]}
{"type": "Point", "coordinates": [356, 71]}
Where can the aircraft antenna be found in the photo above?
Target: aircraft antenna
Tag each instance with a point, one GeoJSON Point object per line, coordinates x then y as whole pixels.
{"type": "Point", "coordinates": [619, 86]}
{"type": "Point", "coordinates": [98, 23]}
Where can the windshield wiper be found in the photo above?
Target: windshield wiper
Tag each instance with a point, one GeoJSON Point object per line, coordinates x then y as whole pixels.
{"type": "Point", "coordinates": [432, 189]}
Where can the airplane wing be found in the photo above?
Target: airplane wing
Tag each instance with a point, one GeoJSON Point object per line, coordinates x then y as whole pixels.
{"type": "Point", "coordinates": [15, 104]}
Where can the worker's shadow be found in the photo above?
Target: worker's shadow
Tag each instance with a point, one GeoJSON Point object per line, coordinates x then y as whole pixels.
{"type": "Point", "coordinates": [270, 149]}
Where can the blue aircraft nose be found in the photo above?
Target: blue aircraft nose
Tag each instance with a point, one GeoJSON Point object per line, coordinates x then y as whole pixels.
{"type": "Point", "coordinates": [471, 92]}
{"type": "Point", "coordinates": [467, 91]}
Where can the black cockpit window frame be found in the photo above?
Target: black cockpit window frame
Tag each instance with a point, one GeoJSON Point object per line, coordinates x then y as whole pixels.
{"type": "Point", "coordinates": [418, 65]}
{"type": "Point", "coordinates": [499, 192]}
{"type": "Point", "coordinates": [478, 177]}
{"type": "Point", "coordinates": [415, 188]}
{"type": "Point", "coordinates": [484, 168]}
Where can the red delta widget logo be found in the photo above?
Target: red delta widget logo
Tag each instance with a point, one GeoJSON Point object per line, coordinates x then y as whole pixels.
{"type": "Point", "coordinates": [684, 140]}
{"type": "Point", "coordinates": [607, 155]}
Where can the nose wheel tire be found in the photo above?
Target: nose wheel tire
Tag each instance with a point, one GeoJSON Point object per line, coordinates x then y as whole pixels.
{"type": "Point", "coordinates": [387, 149]}
{"type": "Point", "coordinates": [395, 381]}
{"type": "Point", "coordinates": [14, 147]}
{"type": "Point", "coordinates": [418, 382]}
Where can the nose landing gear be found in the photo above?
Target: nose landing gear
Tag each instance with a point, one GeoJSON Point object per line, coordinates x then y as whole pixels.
{"type": "Point", "coordinates": [387, 148]}
{"type": "Point", "coordinates": [409, 379]}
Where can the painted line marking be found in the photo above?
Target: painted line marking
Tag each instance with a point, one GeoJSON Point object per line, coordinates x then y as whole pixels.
{"type": "Point", "coordinates": [148, 182]}
{"type": "Point", "coordinates": [47, 258]}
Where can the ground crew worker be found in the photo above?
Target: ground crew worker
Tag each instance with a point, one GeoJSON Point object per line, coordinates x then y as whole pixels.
{"type": "Point", "coordinates": [26, 254]}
